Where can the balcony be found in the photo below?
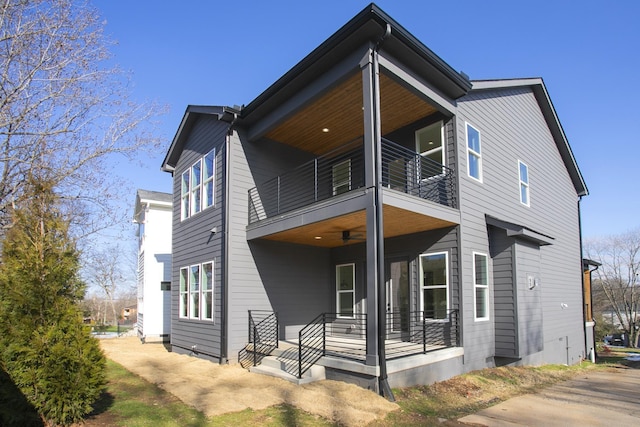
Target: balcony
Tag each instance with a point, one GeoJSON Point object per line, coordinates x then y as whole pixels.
{"type": "Point", "coordinates": [342, 170]}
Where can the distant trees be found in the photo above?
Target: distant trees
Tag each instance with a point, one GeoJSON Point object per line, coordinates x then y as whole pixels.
{"type": "Point", "coordinates": [616, 283]}
{"type": "Point", "coordinates": [44, 347]}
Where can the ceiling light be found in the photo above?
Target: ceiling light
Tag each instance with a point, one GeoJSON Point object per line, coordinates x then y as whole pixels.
{"type": "Point", "coordinates": [318, 237]}
{"type": "Point", "coordinates": [325, 130]}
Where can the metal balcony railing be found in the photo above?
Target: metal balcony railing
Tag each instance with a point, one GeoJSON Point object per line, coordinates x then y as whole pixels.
{"type": "Point", "coordinates": [342, 170]}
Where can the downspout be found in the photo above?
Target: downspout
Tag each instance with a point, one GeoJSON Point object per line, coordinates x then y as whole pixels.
{"type": "Point", "coordinates": [587, 351]}
{"type": "Point", "coordinates": [384, 388]}
{"type": "Point", "coordinates": [224, 345]}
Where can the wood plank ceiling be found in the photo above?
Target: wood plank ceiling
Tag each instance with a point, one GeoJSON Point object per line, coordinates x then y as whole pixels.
{"type": "Point", "coordinates": [328, 234]}
{"type": "Point", "coordinates": [339, 113]}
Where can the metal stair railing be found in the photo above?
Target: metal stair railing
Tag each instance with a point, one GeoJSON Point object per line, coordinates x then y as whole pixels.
{"type": "Point", "coordinates": [263, 337]}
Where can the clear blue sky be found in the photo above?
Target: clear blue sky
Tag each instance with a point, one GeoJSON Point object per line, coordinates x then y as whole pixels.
{"type": "Point", "coordinates": [226, 53]}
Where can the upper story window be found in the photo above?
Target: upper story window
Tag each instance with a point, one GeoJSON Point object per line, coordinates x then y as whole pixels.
{"type": "Point", "coordinates": [341, 177]}
{"type": "Point", "coordinates": [430, 144]}
{"type": "Point", "coordinates": [523, 171]}
{"type": "Point", "coordinates": [197, 189]}
{"type": "Point", "coordinates": [208, 178]}
{"type": "Point", "coordinates": [474, 153]}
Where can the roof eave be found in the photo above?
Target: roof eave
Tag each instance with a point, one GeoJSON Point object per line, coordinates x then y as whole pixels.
{"type": "Point", "coordinates": [349, 30]}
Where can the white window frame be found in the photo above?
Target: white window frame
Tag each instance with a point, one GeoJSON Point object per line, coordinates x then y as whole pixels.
{"type": "Point", "coordinates": [209, 180]}
{"type": "Point", "coordinates": [204, 292]}
{"type": "Point", "coordinates": [189, 308]}
{"type": "Point", "coordinates": [480, 287]}
{"type": "Point", "coordinates": [339, 292]}
{"type": "Point", "coordinates": [196, 187]}
{"type": "Point", "coordinates": [474, 153]}
{"type": "Point", "coordinates": [194, 292]}
{"type": "Point", "coordinates": [338, 185]}
{"type": "Point", "coordinates": [524, 185]}
{"type": "Point", "coordinates": [193, 187]}
{"type": "Point", "coordinates": [184, 293]}
{"type": "Point", "coordinates": [446, 286]}
{"type": "Point", "coordinates": [185, 194]}
{"type": "Point", "coordinates": [441, 149]}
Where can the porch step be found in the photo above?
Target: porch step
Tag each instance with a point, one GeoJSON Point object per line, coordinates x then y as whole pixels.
{"type": "Point", "coordinates": [283, 363]}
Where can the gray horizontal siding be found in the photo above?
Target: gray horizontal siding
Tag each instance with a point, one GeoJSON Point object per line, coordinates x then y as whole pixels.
{"type": "Point", "coordinates": [512, 128]}
{"type": "Point", "coordinates": [193, 243]}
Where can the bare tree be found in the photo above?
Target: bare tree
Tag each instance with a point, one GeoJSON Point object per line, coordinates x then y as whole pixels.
{"type": "Point", "coordinates": [64, 108]}
{"type": "Point", "coordinates": [106, 270]}
{"type": "Point", "coordinates": [617, 284]}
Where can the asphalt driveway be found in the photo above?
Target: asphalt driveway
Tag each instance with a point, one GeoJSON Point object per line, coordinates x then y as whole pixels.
{"type": "Point", "coordinates": [601, 398]}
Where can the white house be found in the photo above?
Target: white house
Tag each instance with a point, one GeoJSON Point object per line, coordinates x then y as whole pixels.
{"type": "Point", "coordinates": [153, 212]}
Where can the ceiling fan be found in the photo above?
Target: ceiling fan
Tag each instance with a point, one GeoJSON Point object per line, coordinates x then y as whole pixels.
{"type": "Point", "coordinates": [347, 236]}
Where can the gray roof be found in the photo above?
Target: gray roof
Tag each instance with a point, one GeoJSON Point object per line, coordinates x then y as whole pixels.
{"type": "Point", "coordinates": [156, 196]}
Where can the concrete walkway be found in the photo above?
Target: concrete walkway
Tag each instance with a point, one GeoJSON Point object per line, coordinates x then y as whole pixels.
{"type": "Point", "coordinates": [604, 398]}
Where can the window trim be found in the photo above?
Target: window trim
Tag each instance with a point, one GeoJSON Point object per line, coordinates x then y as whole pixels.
{"type": "Point", "coordinates": [352, 291]}
{"type": "Point", "coordinates": [210, 180]}
{"type": "Point", "coordinates": [193, 198]}
{"type": "Point", "coordinates": [525, 184]}
{"type": "Point", "coordinates": [470, 151]}
{"type": "Point", "coordinates": [447, 285]}
{"type": "Point", "coordinates": [478, 286]}
{"type": "Point", "coordinates": [185, 196]}
{"type": "Point", "coordinates": [209, 291]}
{"type": "Point", "coordinates": [185, 292]}
{"type": "Point", "coordinates": [442, 149]}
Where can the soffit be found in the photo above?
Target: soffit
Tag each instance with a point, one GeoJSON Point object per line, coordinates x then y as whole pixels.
{"type": "Point", "coordinates": [340, 110]}
{"type": "Point", "coordinates": [397, 222]}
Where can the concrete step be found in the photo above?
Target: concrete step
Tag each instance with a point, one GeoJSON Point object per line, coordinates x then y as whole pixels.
{"type": "Point", "coordinates": [287, 369]}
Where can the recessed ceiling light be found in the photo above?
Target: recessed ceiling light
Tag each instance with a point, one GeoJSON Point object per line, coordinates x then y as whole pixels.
{"type": "Point", "coordinates": [325, 130]}
{"type": "Point", "coordinates": [318, 237]}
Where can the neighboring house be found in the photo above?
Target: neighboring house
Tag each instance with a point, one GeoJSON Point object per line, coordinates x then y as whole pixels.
{"type": "Point", "coordinates": [153, 214]}
{"type": "Point", "coordinates": [128, 314]}
{"type": "Point", "coordinates": [403, 222]}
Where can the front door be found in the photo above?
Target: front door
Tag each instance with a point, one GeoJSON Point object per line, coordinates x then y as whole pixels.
{"type": "Point", "coordinates": [397, 298]}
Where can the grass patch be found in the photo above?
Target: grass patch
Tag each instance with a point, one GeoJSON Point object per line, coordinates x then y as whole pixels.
{"type": "Point", "coordinates": [134, 402]}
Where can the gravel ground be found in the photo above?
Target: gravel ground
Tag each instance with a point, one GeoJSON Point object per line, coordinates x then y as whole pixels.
{"type": "Point", "coordinates": [215, 389]}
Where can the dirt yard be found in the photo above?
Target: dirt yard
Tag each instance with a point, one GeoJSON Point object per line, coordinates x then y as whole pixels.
{"type": "Point", "coordinates": [214, 389]}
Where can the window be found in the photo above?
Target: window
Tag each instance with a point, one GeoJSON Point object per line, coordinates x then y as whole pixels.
{"type": "Point", "coordinates": [523, 170]}
{"type": "Point", "coordinates": [430, 145]}
{"type": "Point", "coordinates": [341, 174]}
{"type": "Point", "coordinates": [474, 161]}
{"type": "Point", "coordinates": [481, 287]}
{"type": "Point", "coordinates": [184, 195]}
{"type": "Point", "coordinates": [196, 291]}
{"type": "Point", "coordinates": [208, 176]}
{"type": "Point", "coordinates": [196, 179]}
{"type": "Point", "coordinates": [184, 292]}
{"type": "Point", "coordinates": [198, 186]}
{"type": "Point", "coordinates": [345, 290]}
{"type": "Point", "coordinates": [434, 285]}
{"type": "Point", "coordinates": [207, 291]}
